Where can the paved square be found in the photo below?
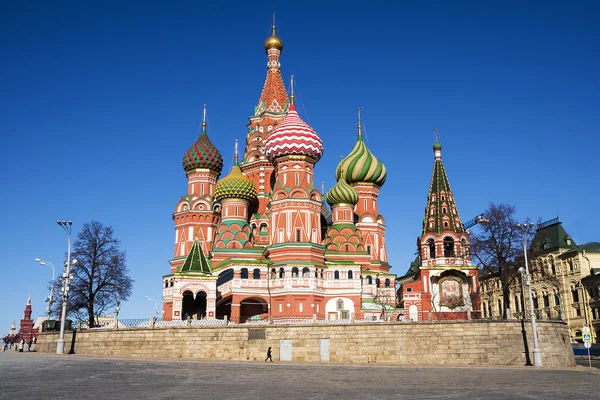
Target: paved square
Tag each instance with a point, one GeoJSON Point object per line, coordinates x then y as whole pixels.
{"type": "Point", "coordinates": [34, 376]}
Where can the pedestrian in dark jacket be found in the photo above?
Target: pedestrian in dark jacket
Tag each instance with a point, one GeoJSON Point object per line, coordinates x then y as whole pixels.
{"type": "Point", "coordinates": [269, 356]}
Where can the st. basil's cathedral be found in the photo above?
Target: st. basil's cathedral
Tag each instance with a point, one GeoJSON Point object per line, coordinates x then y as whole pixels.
{"type": "Point", "coordinates": [262, 244]}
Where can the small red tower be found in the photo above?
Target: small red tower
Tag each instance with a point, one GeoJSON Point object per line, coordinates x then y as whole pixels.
{"type": "Point", "coordinates": [26, 330]}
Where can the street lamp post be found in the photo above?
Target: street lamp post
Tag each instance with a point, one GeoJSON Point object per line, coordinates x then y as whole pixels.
{"type": "Point", "coordinates": [60, 344]}
{"type": "Point", "coordinates": [50, 298]}
{"type": "Point", "coordinates": [537, 353]}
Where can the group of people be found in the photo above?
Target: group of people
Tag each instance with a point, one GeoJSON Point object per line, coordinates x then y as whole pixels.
{"type": "Point", "coordinates": [20, 346]}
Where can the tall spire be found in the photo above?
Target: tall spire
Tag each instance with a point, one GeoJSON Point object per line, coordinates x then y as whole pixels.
{"type": "Point", "coordinates": [273, 98]}
{"type": "Point", "coordinates": [292, 97]}
{"type": "Point", "coordinates": [236, 152]}
{"type": "Point", "coordinates": [204, 120]}
{"type": "Point", "coordinates": [437, 147]}
{"type": "Point", "coordinates": [359, 125]}
{"type": "Point", "coordinates": [441, 214]}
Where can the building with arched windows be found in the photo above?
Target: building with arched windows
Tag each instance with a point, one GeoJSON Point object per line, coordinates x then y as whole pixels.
{"type": "Point", "coordinates": [264, 242]}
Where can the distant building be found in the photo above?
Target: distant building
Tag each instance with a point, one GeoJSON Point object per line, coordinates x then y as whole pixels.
{"type": "Point", "coordinates": [26, 330]}
{"type": "Point", "coordinates": [592, 285]}
{"type": "Point", "coordinates": [262, 242]}
{"type": "Point", "coordinates": [441, 283]}
{"type": "Point", "coordinates": [558, 267]}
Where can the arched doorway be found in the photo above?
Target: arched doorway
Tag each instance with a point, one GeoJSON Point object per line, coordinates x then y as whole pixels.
{"type": "Point", "coordinates": [193, 306]}
{"type": "Point", "coordinates": [223, 308]}
{"type": "Point", "coordinates": [252, 307]}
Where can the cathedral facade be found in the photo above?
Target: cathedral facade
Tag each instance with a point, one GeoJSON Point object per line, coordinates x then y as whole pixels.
{"type": "Point", "coordinates": [263, 242]}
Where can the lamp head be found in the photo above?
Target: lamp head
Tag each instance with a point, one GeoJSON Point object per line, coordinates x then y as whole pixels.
{"type": "Point", "coordinates": [147, 298]}
{"type": "Point", "coordinates": [521, 270]}
{"type": "Point", "coordinates": [75, 261]}
{"type": "Point", "coordinates": [38, 260]}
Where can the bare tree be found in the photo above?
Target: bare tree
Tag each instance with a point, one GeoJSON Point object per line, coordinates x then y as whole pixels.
{"type": "Point", "coordinates": [100, 277]}
{"type": "Point", "coordinates": [498, 247]}
{"type": "Point", "coordinates": [386, 299]}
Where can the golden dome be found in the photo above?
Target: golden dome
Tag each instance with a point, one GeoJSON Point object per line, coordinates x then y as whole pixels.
{"type": "Point", "coordinates": [273, 42]}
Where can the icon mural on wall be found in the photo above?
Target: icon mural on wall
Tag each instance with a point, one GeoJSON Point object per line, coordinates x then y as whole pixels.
{"type": "Point", "coordinates": [451, 292]}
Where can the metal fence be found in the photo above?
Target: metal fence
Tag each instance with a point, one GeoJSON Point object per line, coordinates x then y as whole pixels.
{"type": "Point", "coordinates": [263, 319]}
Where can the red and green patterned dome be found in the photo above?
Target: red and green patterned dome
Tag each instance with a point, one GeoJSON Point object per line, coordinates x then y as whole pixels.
{"type": "Point", "coordinates": [203, 154]}
{"type": "Point", "coordinates": [235, 186]}
{"type": "Point", "coordinates": [342, 193]}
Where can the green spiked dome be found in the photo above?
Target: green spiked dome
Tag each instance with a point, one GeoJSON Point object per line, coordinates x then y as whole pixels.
{"type": "Point", "coordinates": [342, 193]}
{"type": "Point", "coordinates": [235, 186]}
{"type": "Point", "coordinates": [203, 154]}
{"type": "Point", "coordinates": [361, 166]}
{"type": "Point", "coordinates": [437, 146]}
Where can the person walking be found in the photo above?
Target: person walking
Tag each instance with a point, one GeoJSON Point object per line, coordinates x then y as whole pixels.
{"type": "Point", "coordinates": [269, 356]}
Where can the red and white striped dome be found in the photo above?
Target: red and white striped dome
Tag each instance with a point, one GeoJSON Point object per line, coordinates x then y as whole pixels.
{"type": "Point", "coordinates": [293, 137]}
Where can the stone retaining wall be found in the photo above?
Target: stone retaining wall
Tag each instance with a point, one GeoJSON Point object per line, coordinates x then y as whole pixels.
{"type": "Point", "coordinates": [435, 343]}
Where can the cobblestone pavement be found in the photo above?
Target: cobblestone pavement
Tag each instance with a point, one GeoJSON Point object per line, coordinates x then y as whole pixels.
{"type": "Point", "coordinates": [34, 376]}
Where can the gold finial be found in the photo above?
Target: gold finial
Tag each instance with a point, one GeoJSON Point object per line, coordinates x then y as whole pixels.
{"type": "Point", "coordinates": [322, 188]}
{"type": "Point", "coordinates": [236, 152]}
{"type": "Point", "coordinates": [341, 158]}
{"type": "Point", "coordinates": [359, 125]}
{"type": "Point", "coordinates": [435, 134]}
{"type": "Point", "coordinates": [292, 97]}
{"type": "Point", "coordinates": [273, 42]}
{"type": "Point", "coordinates": [204, 120]}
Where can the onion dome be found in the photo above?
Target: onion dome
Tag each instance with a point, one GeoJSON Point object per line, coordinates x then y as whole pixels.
{"type": "Point", "coordinates": [203, 154]}
{"type": "Point", "coordinates": [437, 146]}
{"type": "Point", "coordinates": [273, 42]}
{"type": "Point", "coordinates": [342, 193]}
{"type": "Point", "coordinates": [361, 166]}
{"type": "Point", "coordinates": [235, 185]}
{"type": "Point", "coordinates": [293, 137]}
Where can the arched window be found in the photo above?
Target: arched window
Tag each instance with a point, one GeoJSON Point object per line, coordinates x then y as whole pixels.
{"type": "Point", "coordinates": [387, 282]}
{"type": "Point", "coordinates": [369, 280]}
{"type": "Point", "coordinates": [256, 273]}
{"type": "Point", "coordinates": [295, 272]}
{"type": "Point", "coordinates": [350, 275]}
{"type": "Point", "coordinates": [340, 304]}
{"type": "Point", "coordinates": [448, 247]}
{"type": "Point", "coordinates": [321, 273]}
{"type": "Point", "coordinates": [431, 244]}
{"type": "Point", "coordinates": [305, 272]}
{"type": "Point", "coordinates": [244, 273]}
{"type": "Point", "coordinates": [377, 282]}
{"type": "Point", "coordinates": [281, 272]}
{"type": "Point", "coordinates": [336, 275]}
{"type": "Point", "coordinates": [166, 284]}
{"type": "Point", "coordinates": [273, 273]}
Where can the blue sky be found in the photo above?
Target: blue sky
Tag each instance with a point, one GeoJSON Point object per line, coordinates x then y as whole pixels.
{"type": "Point", "coordinates": [99, 102]}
